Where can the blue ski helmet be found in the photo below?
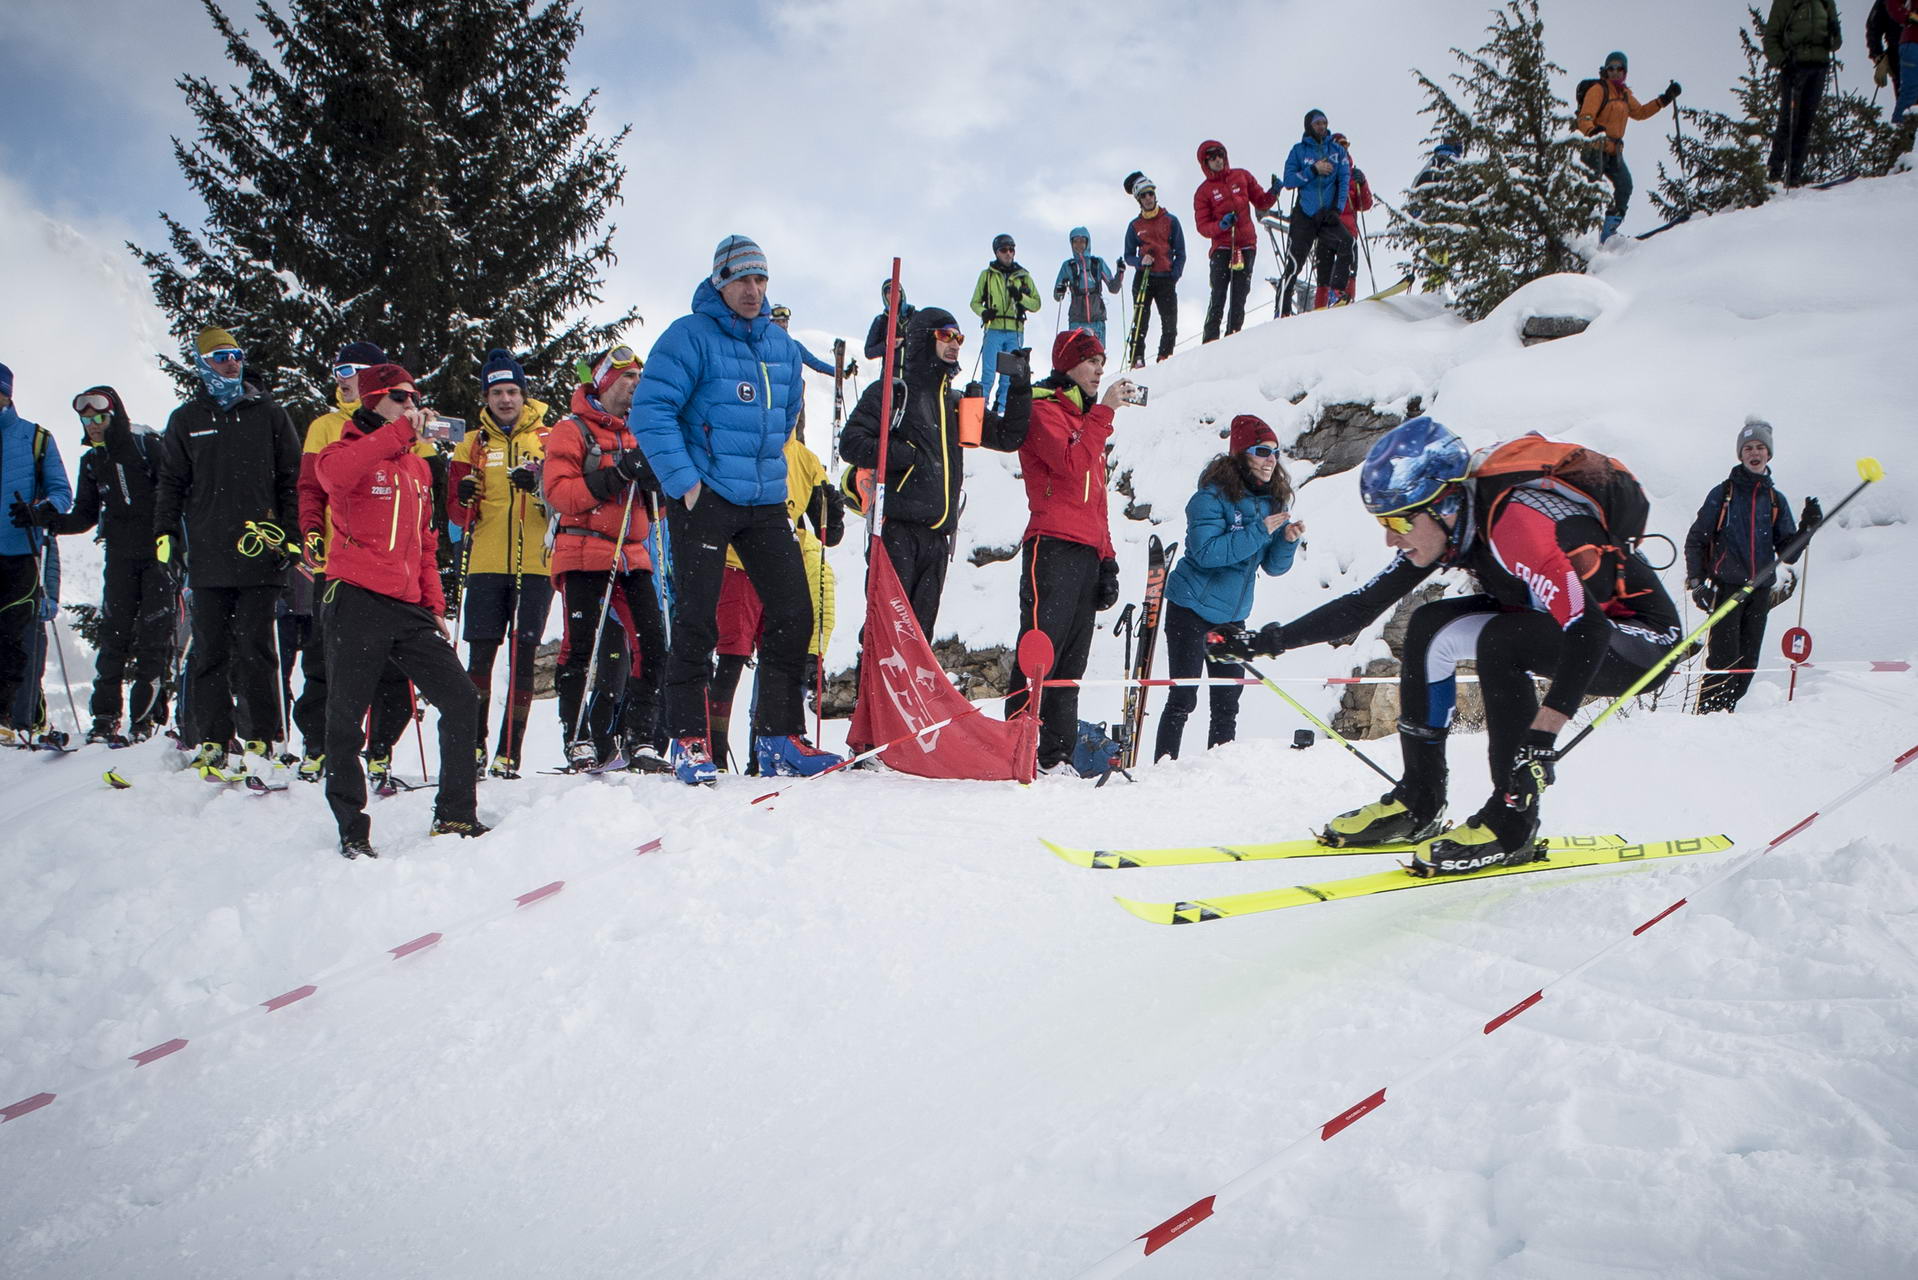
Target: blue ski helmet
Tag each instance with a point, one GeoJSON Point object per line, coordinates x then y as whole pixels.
{"type": "Point", "coordinates": [1410, 465]}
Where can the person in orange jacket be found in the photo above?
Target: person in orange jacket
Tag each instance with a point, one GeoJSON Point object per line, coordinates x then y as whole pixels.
{"type": "Point", "coordinates": [384, 603]}
{"type": "Point", "coordinates": [1603, 109]}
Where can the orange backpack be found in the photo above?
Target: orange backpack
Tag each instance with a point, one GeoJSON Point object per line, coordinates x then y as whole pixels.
{"type": "Point", "coordinates": [1602, 485]}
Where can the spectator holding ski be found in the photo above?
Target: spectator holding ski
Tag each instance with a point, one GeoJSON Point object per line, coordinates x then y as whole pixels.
{"type": "Point", "coordinates": [493, 496]}
{"type": "Point", "coordinates": [1226, 208]}
{"type": "Point", "coordinates": [712, 416]}
{"type": "Point", "coordinates": [139, 598]}
{"type": "Point", "coordinates": [1237, 525]}
{"type": "Point", "coordinates": [1003, 296]}
{"type": "Point", "coordinates": [34, 487]}
{"type": "Point", "coordinates": [1547, 529]}
{"type": "Point", "coordinates": [1067, 570]}
{"type": "Point", "coordinates": [1742, 526]}
{"type": "Point", "coordinates": [1155, 248]}
{"type": "Point", "coordinates": [1318, 168]}
{"type": "Point", "coordinates": [1604, 106]}
{"type": "Point", "coordinates": [384, 603]}
{"type": "Point", "coordinates": [1084, 276]}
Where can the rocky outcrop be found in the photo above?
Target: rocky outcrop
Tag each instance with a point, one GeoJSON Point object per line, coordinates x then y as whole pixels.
{"type": "Point", "coordinates": [1339, 439]}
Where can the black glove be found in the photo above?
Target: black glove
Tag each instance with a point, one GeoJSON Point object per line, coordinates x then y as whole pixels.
{"type": "Point", "coordinates": [1233, 643]}
{"type": "Point", "coordinates": [835, 516]}
{"type": "Point", "coordinates": [1811, 517]}
{"type": "Point", "coordinates": [468, 489]}
{"type": "Point", "coordinates": [1702, 594]}
{"type": "Point", "coordinates": [525, 477]}
{"type": "Point", "coordinates": [1058, 293]}
{"type": "Point", "coordinates": [1532, 768]}
{"type": "Point", "coordinates": [1108, 584]}
{"type": "Point", "coordinates": [632, 465]}
{"type": "Point", "coordinates": [1672, 91]}
{"type": "Point", "coordinates": [852, 368]}
{"type": "Point", "coordinates": [42, 513]}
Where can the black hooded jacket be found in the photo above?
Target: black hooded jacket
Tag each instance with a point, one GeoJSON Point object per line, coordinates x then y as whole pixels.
{"type": "Point", "coordinates": [115, 482]}
{"type": "Point", "coordinates": [220, 468]}
{"type": "Point", "coordinates": [925, 466]}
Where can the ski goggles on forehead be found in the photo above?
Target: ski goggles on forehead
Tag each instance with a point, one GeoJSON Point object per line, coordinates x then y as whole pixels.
{"type": "Point", "coordinates": [782, 313]}
{"type": "Point", "coordinates": [620, 357]}
{"type": "Point", "coordinates": [949, 334]}
{"type": "Point", "coordinates": [345, 371]}
{"type": "Point", "coordinates": [91, 402]}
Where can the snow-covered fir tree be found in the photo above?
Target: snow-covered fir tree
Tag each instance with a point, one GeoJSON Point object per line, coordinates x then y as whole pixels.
{"type": "Point", "coordinates": [1508, 210]}
{"type": "Point", "coordinates": [1722, 157]}
{"type": "Point", "coordinates": [410, 172]}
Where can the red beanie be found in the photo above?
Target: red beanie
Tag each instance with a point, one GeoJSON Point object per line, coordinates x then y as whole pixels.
{"type": "Point", "coordinates": [1071, 347]}
{"type": "Point", "coordinates": [1246, 432]}
{"type": "Point", "coordinates": [377, 379]}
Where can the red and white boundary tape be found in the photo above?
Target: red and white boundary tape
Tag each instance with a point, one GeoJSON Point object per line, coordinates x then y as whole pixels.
{"type": "Point", "coordinates": [1874, 667]}
{"type": "Point", "coordinates": [1124, 1259]}
{"type": "Point", "coordinates": [353, 972]}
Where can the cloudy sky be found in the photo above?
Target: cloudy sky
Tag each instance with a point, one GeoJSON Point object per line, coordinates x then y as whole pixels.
{"type": "Point", "coordinates": [836, 132]}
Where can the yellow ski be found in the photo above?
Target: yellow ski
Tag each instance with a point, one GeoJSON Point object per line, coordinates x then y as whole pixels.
{"type": "Point", "coordinates": [1118, 859]}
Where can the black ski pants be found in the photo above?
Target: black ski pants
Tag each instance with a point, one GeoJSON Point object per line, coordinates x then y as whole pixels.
{"type": "Point", "coordinates": [1801, 88]}
{"type": "Point", "coordinates": [1737, 641]}
{"type": "Point", "coordinates": [1161, 291]}
{"type": "Point", "coordinates": [392, 709]}
{"type": "Point", "coordinates": [763, 537]}
{"type": "Point", "coordinates": [18, 620]}
{"type": "Point", "coordinates": [920, 556]}
{"type": "Point", "coordinates": [1059, 594]}
{"type": "Point", "coordinates": [623, 702]}
{"type": "Point", "coordinates": [1225, 281]}
{"type": "Point", "coordinates": [365, 634]}
{"type": "Point", "coordinates": [1185, 633]}
{"type": "Point", "coordinates": [232, 663]}
{"type": "Point", "coordinates": [1324, 234]}
{"type": "Point", "coordinates": [490, 602]}
{"type": "Point", "coordinates": [138, 609]}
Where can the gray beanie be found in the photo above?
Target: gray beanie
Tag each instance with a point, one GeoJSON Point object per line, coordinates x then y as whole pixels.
{"type": "Point", "coordinates": [1755, 429]}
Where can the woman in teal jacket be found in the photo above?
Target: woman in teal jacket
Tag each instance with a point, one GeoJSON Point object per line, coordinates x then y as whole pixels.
{"type": "Point", "coordinates": [1238, 523]}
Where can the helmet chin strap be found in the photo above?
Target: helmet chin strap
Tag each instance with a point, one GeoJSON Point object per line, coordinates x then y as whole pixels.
{"type": "Point", "coordinates": [1457, 504]}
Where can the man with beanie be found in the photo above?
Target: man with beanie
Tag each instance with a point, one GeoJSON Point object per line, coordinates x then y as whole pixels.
{"type": "Point", "coordinates": [1085, 275]}
{"type": "Point", "coordinates": [1067, 572]}
{"type": "Point", "coordinates": [392, 707]}
{"type": "Point", "coordinates": [1226, 209]}
{"type": "Point", "coordinates": [384, 604]}
{"type": "Point", "coordinates": [493, 497]}
{"type": "Point", "coordinates": [720, 396]}
{"type": "Point", "coordinates": [229, 460]}
{"type": "Point", "coordinates": [1003, 295]}
{"type": "Point", "coordinates": [1603, 108]}
{"type": "Point", "coordinates": [33, 485]}
{"type": "Point", "coordinates": [1155, 248]}
{"type": "Point", "coordinates": [1741, 527]}
{"type": "Point", "coordinates": [118, 469]}
{"type": "Point", "coordinates": [1320, 171]}
{"type": "Point", "coordinates": [876, 331]}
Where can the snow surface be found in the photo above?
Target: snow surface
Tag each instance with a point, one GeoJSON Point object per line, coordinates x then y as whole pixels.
{"type": "Point", "coordinates": [878, 1031]}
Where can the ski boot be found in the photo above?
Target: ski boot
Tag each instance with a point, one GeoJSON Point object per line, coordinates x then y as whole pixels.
{"type": "Point", "coordinates": [50, 739]}
{"type": "Point", "coordinates": [468, 828]}
{"type": "Point", "coordinates": [504, 767]}
{"type": "Point", "coordinates": [312, 768]}
{"type": "Point", "coordinates": [582, 757]}
{"type": "Point", "coordinates": [1394, 817]}
{"type": "Point", "coordinates": [643, 757]}
{"type": "Point", "coordinates": [1610, 228]}
{"type": "Point", "coordinates": [691, 764]}
{"type": "Point", "coordinates": [140, 730]}
{"type": "Point", "coordinates": [379, 775]}
{"type": "Point", "coordinates": [1472, 847]}
{"type": "Point", "coordinates": [790, 755]}
{"type": "Point", "coordinates": [106, 729]}
{"type": "Point", "coordinates": [357, 847]}
{"type": "Point", "coordinates": [212, 764]}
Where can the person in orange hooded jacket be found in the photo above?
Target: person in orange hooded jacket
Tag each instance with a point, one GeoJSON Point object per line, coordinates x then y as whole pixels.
{"type": "Point", "coordinates": [1602, 112]}
{"type": "Point", "coordinates": [1226, 208]}
{"type": "Point", "coordinates": [594, 480]}
{"type": "Point", "coordinates": [384, 602]}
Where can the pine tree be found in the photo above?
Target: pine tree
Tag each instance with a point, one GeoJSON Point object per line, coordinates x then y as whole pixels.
{"type": "Point", "coordinates": [1508, 210]}
{"type": "Point", "coordinates": [408, 172]}
{"type": "Point", "coordinates": [1722, 162]}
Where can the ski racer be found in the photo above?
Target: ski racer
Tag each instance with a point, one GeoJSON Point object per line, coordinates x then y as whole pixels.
{"type": "Point", "coordinates": [1557, 598]}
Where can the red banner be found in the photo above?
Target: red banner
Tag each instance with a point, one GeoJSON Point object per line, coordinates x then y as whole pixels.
{"type": "Point", "coordinates": [902, 689]}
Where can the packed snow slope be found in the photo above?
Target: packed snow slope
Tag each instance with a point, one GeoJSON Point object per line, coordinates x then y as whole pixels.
{"type": "Point", "coordinates": [878, 1031]}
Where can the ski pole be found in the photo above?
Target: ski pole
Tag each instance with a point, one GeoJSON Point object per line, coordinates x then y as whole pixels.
{"type": "Point", "coordinates": [605, 603]}
{"type": "Point", "coordinates": [1321, 725]}
{"type": "Point", "coordinates": [1869, 471]}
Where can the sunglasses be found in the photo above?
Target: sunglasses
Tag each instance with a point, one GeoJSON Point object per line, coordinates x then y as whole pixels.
{"type": "Point", "coordinates": [1263, 451]}
{"type": "Point", "coordinates": [345, 371]}
{"type": "Point", "coordinates": [1614, 66]}
{"type": "Point", "coordinates": [224, 354]}
{"type": "Point", "coordinates": [92, 402]}
{"type": "Point", "coordinates": [400, 395]}
{"type": "Point", "coordinates": [96, 419]}
{"type": "Point", "coordinates": [949, 334]}
{"type": "Point", "coordinates": [1215, 154]}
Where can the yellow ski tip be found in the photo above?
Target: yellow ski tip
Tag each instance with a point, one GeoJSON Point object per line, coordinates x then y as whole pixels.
{"type": "Point", "coordinates": [1077, 857]}
{"type": "Point", "coordinates": [1152, 912]}
{"type": "Point", "coordinates": [1870, 470]}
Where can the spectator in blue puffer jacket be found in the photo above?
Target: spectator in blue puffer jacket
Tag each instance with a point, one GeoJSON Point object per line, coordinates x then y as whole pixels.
{"type": "Point", "coordinates": [35, 493]}
{"type": "Point", "coordinates": [1321, 171]}
{"type": "Point", "coordinates": [1742, 526]}
{"type": "Point", "coordinates": [1237, 524]}
{"type": "Point", "coordinates": [719, 397]}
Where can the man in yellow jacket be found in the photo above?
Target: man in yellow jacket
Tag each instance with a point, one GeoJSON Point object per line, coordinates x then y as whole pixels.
{"type": "Point", "coordinates": [493, 495]}
{"type": "Point", "coordinates": [1004, 295]}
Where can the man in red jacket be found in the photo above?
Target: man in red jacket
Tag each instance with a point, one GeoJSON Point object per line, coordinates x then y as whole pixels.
{"type": "Point", "coordinates": [1226, 209]}
{"type": "Point", "coordinates": [384, 603]}
{"type": "Point", "coordinates": [1067, 570]}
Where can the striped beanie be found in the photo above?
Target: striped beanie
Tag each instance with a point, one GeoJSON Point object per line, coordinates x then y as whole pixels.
{"type": "Point", "coordinates": [737, 256]}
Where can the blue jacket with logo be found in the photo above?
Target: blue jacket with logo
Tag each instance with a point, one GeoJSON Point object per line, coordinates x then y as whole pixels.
{"type": "Point", "coordinates": [31, 480]}
{"type": "Point", "coordinates": [1319, 190]}
{"type": "Point", "coordinates": [1739, 529]}
{"type": "Point", "coordinates": [1225, 547]}
{"type": "Point", "coordinates": [718, 398]}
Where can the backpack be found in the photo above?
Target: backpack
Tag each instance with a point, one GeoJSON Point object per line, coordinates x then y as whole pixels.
{"type": "Point", "coordinates": [1094, 752]}
{"type": "Point", "coordinates": [1603, 485]}
{"type": "Point", "coordinates": [856, 484]}
{"type": "Point", "coordinates": [1578, 104]}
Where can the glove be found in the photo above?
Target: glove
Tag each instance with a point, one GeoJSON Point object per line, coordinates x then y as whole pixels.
{"type": "Point", "coordinates": [1532, 768]}
{"type": "Point", "coordinates": [1702, 594]}
{"type": "Point", "coordinates": [1672, 91]}
{"type": "Point", "coordinates": [835, 516]}
{"type": "Point", "coordinates": [313, 551]}
{"type": "Point", "coordinates": [1058, 294]}
{"type": "Point", "coordinates": [1233, 643]}
{"type": "Point", "coordinates": [525, 477]}
{"type": "Point", "coordinates": [41, 514]}
{"type": "Point", "coordinates": [1229, 221]}
{"type": "Point", "coordinates": [632, 465]}
{"type": "Point", "coordinates": [1358, 175]}
{"type": "Point", "coordinates": [1881, 70]}
{"type": "Point", "coordinates": [1811, 517]}
{"type": "Point", "coordinates": [1108, 585]}
{"type": "Point", "coordinates": [468, 489]}
{"type": "Point", "coordinates": [852, 368]}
